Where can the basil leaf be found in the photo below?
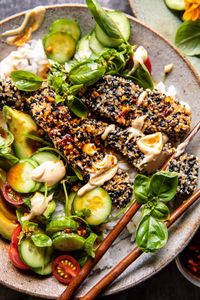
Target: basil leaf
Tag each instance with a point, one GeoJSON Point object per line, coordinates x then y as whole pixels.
{"type": "Point", "coordinates": [188, 38]}
{"type": "Point", "coordinates": [163, 185]}
{"type": "Point", "coordinates": [141, 77]}
{"type": "Point", "coordinates": [41, 240]}
{"type": "Point", "coordinates": [103, 20]}
{"type": "Point", "coordinates": [141, 188]}
{"type": "Point", "coordinates": [89, 244]}
{"type": "Point", "coordinates": [26, 81]}
{"type": "Point", "coordinates": [78, 108]}
{"type": "Point", "coordinates": [159, 211]}
{"type": "Point", "coordinates": [87, 73]}
{"type": "Point", "coordinates": [151, 234]}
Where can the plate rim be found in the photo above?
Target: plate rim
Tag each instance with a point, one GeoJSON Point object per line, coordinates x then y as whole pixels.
{"type": "Point", "coordinates": [197, 78]}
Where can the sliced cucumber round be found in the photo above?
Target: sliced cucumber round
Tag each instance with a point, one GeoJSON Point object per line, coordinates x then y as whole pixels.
{"type": "Point", "coordinates": [95, 45]}
{"type": "Point", "coordinates": [98, 202]}
{"type": "Point", "coordinates": [33, 256]}
{"type": "Point", "coordinates": [60, 224]}
{"type": "Point", "coordinates": [44, 271]}
{"type": "Point", "coordinates": [83, 50]}
{"type": "Point", "coordinates": [19, 177]}
{"type": "Point", "coordinates": [175, 4]}
{"type": "Point", "coordinates": [59, 46]}
{"type": "Point", "coordinates": [67, 241]}
{"type": "Point", "coordinates": [66, 25]}
{"type": "Point", "coordinates": [41, 157]}
{"type": "Point", "coordinates": [122, 23]}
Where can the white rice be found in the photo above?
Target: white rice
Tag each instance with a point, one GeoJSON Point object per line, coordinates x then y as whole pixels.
{"type": "Point", "coordinates": [30, 57]}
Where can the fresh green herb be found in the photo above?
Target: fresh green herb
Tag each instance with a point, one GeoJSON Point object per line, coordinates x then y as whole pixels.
{"type": "Point", "coordinates": [83, 213]}
{"type": "Point", "coordinates": [41, 240]}
{"type": "Point", "coordinates": [90, 244]}
{"type": "Point", "coordinates": [141, 76]}
{"type": "Point", "coordinates": [78, 108]}
{"type": "Point", "coordinates": [87, 73]}
{"type": "Point", "coordinates": [103, 20]}
{"type": "Point", "coordinates": [188, 38]}
{"type": "Point", "coordinates": [26, 81]}
{"type": "Point", "coordinates": [78, 173]}
{"type": "Point", "coordinates": [163, 185]}
{"type": "Point", "coordinates": [157, 210]}
{"type": "Point", "coordinates": [151, 234]}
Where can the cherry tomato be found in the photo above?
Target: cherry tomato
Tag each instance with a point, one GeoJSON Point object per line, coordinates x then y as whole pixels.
{"type": "Point", "coordinates": [65, 268]}
{"type": "Point", "coordinates": [11, 196]}
{"type": "Point", "coordinates": [15, 258]}
{"type": "Point", "coordinates": [148, 64]}
{"type": "Point", "coordinates": [15, 236]}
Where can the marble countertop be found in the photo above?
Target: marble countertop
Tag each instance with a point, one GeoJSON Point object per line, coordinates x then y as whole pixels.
{"type": "Point", "coordinates": [168, 284]}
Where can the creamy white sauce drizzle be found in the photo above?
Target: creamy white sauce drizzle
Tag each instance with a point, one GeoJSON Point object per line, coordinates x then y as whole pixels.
{"type": "Point", "coordinates": [138, 123]}
{"type": "Point", "coordinates": [151, 145]}
{"type": "Point", "coordinates": [50, 172]}
{"type": "Point", "coordinates": [39, 204]}
{"type": "Point", "coordinates": [141, 97]}
{"type": "Point", "coordinates": [108, 130]}
{"type": "Point", "coordinates": [32, 22]}
{"type": "Point", "coordinates": [187, 107]}
{"type": "Point", "coordinates": [105, 170]}
{"type": "Point", "coordinates": [180, 149]}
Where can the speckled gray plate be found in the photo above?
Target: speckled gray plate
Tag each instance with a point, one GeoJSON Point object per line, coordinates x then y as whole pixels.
{"type": "Point", "coordinates": [156, 14]}
{"type": "Point", "coordinates": [187, 83]}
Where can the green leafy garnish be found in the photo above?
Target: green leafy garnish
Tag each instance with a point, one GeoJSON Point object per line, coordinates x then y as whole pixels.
{"type": "Point", "coordinates": [188, 38]}
{"type": "Point", "coordinates": [26, 81]}
{"type": "Point", "coordinates": [41, 240]}
{"type": "Point", "coordinates": [103, 20]}
{"type": "Point", "coordinates": [151, 233]}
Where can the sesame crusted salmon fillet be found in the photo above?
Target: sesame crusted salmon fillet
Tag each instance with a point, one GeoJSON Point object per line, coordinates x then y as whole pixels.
{"type": "Point", "coordinates": [120, 101]}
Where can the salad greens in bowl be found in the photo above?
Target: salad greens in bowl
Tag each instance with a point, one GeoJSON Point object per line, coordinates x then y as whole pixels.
{"type": "Point", "coordinates": [85, 127]}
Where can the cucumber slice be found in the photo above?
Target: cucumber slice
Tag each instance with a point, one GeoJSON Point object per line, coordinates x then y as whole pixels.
{"type": "Point", "coordinates": [59, 46]}
{"type": "Point", "coordinates": [83, 50]}
{"type": "Point", "coordinates": [33, 256]}
{"type": "Point", "coordinates": [66, 25]}
{"type": "Point", "coordinates": [175, 4]}
{"type": "Point", "coordinates": [68, 241]}
{"type": "Point", "coordinates": [61, 224]}
{"type": "Point", "coordinates": [98, 202]}
{"type": "Point", "coordinates": [19, 177]}
{"type": "Point", "coordinates": [122, 23]}
{"type": "Point", "coordinates": [41, 157]}
{"type": "Point", "coordinates": [44, 271]}
{"type": "Point", "coordinates": [95, 45]}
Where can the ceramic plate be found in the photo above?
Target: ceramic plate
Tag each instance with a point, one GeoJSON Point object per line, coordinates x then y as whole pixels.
{"type": "Point", "coordinates": [156, 14]}
{"type": "Point", "coordinates": [184, 78]}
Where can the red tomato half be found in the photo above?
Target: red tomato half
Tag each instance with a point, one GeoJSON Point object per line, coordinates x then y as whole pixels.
{"type": "Point", "coordinates": [148, 64]}
{"type": "Point", "coordinates": [15, 236]}
{"type": "Point", "coordinates": [11, 196]}
{"type": "Point", "coordinates": [65, 268]}
{"type": "Point", "coordinates": [15, 258]}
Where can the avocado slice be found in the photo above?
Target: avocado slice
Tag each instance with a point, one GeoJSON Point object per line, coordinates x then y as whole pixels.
{"type": "Point", "coordinates": [8, 221]}
{"type": "Point", "coordinates": [21, 124]}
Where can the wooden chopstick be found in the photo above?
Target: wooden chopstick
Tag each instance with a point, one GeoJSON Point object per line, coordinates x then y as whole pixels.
{"type": "Point", "coordinates": [135, 253]}
{"type": "Point", "coordinates": [113, 234]}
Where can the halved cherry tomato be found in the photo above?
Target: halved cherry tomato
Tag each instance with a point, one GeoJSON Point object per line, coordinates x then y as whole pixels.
{"type": "Point", "coordinates": [15, 236]}
{"type": "Point", "coordinates": [11, 196]}
{"type": "Point", "coordinates": [65, 268]}
{"type": "Point", "coordinates": [15, 258]}
{"type": "Point", "coordinates": [148, 64]}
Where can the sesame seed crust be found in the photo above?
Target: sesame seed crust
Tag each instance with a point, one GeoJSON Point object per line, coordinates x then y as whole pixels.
{"type": "Point", "coordinates": [117, 99]}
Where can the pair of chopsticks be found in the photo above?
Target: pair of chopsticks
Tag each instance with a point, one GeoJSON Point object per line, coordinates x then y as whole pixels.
{"type": "Point", "coordinates": [113, 234]}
